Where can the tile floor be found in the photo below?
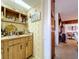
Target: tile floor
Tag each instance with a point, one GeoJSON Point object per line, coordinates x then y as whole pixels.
{"type": "Point", "coordinates": [67, 50]}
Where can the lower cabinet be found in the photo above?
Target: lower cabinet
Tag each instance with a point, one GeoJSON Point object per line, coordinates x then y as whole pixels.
{"type": "Point", "coordinates": [30, 51]}
{"type": "Point", "coordinates": [14, 52]}
{"type": "Point", "coordinates": [29, 47]}
{"type": "Point", "coordinates": [20, 48]}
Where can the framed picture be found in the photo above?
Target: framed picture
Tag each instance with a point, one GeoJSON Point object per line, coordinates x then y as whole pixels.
{"type": "Point", "coordinates": [35, 16]}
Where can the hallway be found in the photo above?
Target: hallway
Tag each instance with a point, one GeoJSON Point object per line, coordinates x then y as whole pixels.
{"type": "Point", "coordinates": [67, 50]}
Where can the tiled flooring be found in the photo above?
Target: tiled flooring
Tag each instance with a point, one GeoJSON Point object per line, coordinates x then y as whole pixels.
{"type": "Point", "coordinates": [67, 50]}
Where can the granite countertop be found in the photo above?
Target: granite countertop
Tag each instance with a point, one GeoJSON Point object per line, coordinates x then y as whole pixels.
{"type": "Point", "coordinates": [15, 36]}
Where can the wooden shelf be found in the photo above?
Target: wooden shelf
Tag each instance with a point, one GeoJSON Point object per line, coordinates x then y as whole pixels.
{"type": "Point", "coordinates": [8, 13]}
{"type": "Point", "coordinates": [13, 22]}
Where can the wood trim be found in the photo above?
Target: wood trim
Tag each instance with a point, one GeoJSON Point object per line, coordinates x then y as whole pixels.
{"type": "Point", "coordinates": [52, 45]}
{"type": "Point", "coordinates": [70, 22]}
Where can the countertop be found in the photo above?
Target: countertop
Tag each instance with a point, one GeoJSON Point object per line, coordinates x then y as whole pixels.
{"type": "Point", "coordinates": [15, 36]}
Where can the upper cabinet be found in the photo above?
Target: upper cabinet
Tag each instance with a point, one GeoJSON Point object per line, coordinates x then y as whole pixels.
{"type": "Point", "coordinates": [13, 16]}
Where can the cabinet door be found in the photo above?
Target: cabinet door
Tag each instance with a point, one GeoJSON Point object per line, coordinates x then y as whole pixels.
{"type": "Point", "coordinates": [1, 53]}
{"type": "Point", "coordinates": [2, 50]}
{"type": "Point", "coordinates": [23, 48]}
{"type": "Point", "coordinates": [5, 50]}
{"type": "Point", "coordinates": [27, 50]}
{"type": "Point", "coordinates": [15, 52]}
{"type": "Point", "coordinates": [30, 47]}
{"type": "Point", "coordinates": [22, 51]}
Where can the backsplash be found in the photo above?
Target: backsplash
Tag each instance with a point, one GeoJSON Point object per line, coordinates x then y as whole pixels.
{"type": "Point", "coordinates": [18, 27]}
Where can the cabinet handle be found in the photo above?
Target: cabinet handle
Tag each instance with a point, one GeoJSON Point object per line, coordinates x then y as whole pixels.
{"type": "Point", "coordinates": [20, 46]}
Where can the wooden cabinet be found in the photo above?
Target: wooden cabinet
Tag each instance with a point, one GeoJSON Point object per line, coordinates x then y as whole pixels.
{"type": "Point", "coordinates": [23, 48]}
{"type": "Point", "coordinates": [29, 47]}
{"type": "Point", "coordinates": [14, 52]}
{"type": "Point", "coordinates": [4, 50]}
{"type": "Point", "coordinates": [1, 50]}
{"type": "Point", "coordinates": [26, 46]}
{"type": "Point", "coordinates": [15, 49]}
{"type": "Point", "coordinates": [19, 48]}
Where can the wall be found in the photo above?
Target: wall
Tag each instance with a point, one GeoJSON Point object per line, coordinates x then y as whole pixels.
{"type": "Point", "coordinates": [42, 32]}
{"type": "Point", "coordinates": [68, 28]}
{"type": "Point", "coordinates": [36, 29]}
{"type": "Point", "coordinates": [56, 29]}
{"type": "Point", "coordinates": [19, 27]}
{"type": "Point", "coordinates": [47, 28]}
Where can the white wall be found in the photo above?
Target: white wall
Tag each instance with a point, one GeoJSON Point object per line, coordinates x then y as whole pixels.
{"type": "Point", "coordinates": [47, 29]}
{"type": "Point", "coordinates": [68, 27]}
{"type": "Point", "coordinates": [36, 28]}
{"type": "Point", "coordinates": [56, 29]}
{"type": "Point", "coordinates": [42, 32]}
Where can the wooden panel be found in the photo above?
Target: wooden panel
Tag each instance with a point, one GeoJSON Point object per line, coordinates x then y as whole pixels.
{"type": "Point", "coordinates": [29, 47]}
{"type": "Point", "coordinates": [5, 50]}
{"type": "Point", "coordinates": [14, 51]}
{"type": "Point", "coordinates": [52, 24]}
{"type": "Point", "coordinates": [14, 41]}
{"type": "Point", "coordinates": [53, 44]}
{"type": "Point", "coordinates": [70, 22]}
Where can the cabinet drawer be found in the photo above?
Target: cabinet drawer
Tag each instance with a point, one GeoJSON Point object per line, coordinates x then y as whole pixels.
{"type": "Point", "coordinates": [30, 37]}
{"type": "Point", "coordinates": [14, 41]}
{"type": "Point", "coordinates": [11, 42]}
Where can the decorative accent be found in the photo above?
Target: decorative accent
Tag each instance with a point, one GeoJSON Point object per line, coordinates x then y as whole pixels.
{"type": "Point", "coordinates": [36, 16]}
{"type": "Point", "coordinates": [10, 28]}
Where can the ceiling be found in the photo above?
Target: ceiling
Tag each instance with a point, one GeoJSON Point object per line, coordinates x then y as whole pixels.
{"type": "Point", "coordinates": [13, 5]}
{"type": "Point", "coordinates": [32, 3]}
{"type": "Point", "coordinates": [68, 9]}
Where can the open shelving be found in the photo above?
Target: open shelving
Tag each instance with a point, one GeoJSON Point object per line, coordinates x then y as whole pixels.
{"type": "Point", "coordinates": [8, 15]}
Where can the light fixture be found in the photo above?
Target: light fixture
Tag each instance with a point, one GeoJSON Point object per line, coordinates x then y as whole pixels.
{"type": "Point", "coordinates": [22, 3]}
